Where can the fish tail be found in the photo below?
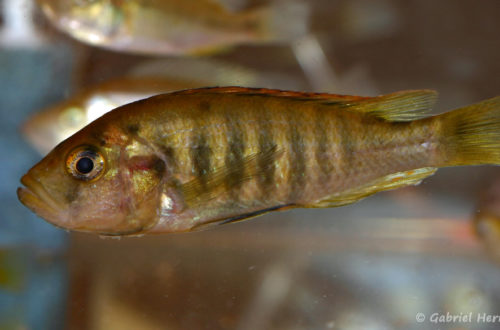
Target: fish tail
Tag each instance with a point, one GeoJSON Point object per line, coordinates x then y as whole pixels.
{"type": "Point", "coordinates": [283, 21]}
{"type": "Point", "coordinates": [471, 135]}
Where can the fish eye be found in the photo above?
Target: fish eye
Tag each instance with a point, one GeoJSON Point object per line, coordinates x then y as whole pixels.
{"type": "Point", "coordinates": [85, 163]}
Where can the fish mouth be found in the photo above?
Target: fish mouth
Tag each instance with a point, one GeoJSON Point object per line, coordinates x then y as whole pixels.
{"type": "Point", "coordinates": [35, 197]}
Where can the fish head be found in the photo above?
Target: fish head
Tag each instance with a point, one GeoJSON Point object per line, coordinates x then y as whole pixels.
{"type": "Point", "coordinates": [98, 180]}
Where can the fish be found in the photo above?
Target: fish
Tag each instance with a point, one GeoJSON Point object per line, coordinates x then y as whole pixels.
{"type": "Point", "coordinates": [486, 218]}
{"type": "Point", "coordinates": [175, 27]}
{"type": "Point", "coordinates": [55, 123]}
{"type": "Point", "coordinates": [197, 158]}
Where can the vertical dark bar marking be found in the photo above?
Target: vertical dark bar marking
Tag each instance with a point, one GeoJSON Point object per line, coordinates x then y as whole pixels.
{"type": "Point", "coordinates": [234, 160]}
{"type": "Point", "coordinates": [133, 129]}
{"type": "Point", "coordinates": [168, 154]}
{"type": "Point", "coordinates": [158, 166]}
{"type": "Point", "coordinates": [346, 142]}
{"type": "Point", "coordinates": [266, 160]}
{"type": "Point", "coordinates": [323, 146]}
{"type": "Point", "coordinates": [201, 154]}
{"type": "Point", "coordinates": [297, 161]}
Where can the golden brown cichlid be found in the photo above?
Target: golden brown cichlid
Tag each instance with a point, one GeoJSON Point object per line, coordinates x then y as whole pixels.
{"type": "Point", "coordinates": [181, 161]}
{"type": "Point", "coordinates": [174, 27]}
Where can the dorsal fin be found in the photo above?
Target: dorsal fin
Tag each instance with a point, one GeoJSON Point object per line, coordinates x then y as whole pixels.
{"type": "Point", "coordinates": [398, 106]}
{"type": "Point", "coordinates": [321, 97]}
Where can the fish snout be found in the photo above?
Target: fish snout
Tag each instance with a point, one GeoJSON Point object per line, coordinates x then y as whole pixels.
{"type": "Point", "coordinates": [35, 197]}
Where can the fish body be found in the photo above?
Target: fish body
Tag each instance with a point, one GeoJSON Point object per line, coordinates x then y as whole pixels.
{"type": "Point", "coordinates": [185, 160]}
{"type": "Point", "coordinates": [173, 26]}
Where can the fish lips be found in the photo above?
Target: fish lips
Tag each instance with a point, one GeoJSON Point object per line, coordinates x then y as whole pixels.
{"type": "Point", "coordinates": [35, 197]}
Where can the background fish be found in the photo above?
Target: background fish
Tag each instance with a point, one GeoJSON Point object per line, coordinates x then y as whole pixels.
{"type": "Point", "coordinates": [182, 161]}
{"type": "Point", "coordinates": [174, 26]}
{"type": "Point", "coordinates": [50, 126]}
{"type": "Point", "coordinates": [45, 129]}
{"type": "Point", "coordinates": [486, 218]}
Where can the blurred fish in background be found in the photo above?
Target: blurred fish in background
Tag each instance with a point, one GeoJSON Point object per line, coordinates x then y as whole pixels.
{"type": "Point", "coordinates": [175, 27]}
{"type": "Point", "coordinates": [486, 219]}
{"type": "Point", "coordinates": [45, 129]}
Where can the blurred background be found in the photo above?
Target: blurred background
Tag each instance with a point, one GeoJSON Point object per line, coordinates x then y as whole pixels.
{"type": "Point", "coordinates": [432, 248]}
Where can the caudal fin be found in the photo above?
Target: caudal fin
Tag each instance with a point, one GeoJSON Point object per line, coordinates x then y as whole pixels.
{"type": "Point", "coordinates": [472, 134]}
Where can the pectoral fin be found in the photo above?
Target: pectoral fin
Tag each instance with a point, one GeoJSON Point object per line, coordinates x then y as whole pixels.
{"type": "Point", "coordinates": [215, 183]}
{"type": "Point", "coordinates": [391, 181]}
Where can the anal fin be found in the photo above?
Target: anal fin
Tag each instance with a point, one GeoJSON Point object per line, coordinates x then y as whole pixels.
{"type": "Point", "coordinates": [388, 182]}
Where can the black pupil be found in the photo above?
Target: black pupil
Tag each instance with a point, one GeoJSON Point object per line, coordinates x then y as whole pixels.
{"type": "Point", "coordinates": [84, 165]}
